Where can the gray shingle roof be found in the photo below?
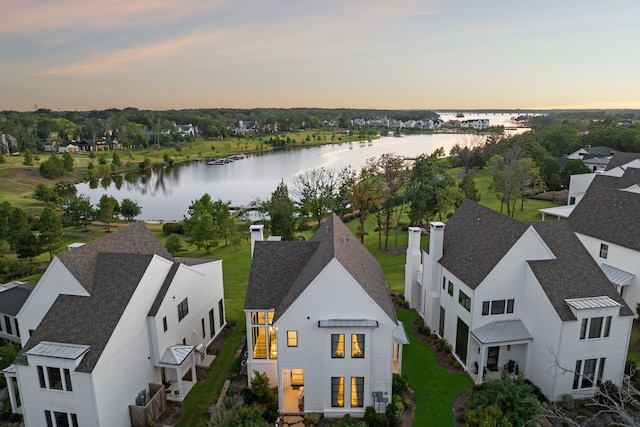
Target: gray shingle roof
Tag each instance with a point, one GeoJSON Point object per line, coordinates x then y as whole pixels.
{"type": "Point", "coordinates": [573, 274]}
{"type": "Point", "coordinates": [281, 271]}
{"type": "Point", "coordinates": [110, 269]}
{"type": "Point", "coordinates": [608, 213]}
{"type": "Point", "coordinates": [620, 158]}
{"type": "Point", "coordinates": [12, 300]}
{"type": "Point", "coordinates": [476, 238]}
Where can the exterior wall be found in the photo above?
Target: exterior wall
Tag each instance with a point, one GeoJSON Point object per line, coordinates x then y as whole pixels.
{"type": "Point", "coordinates": [578, 185]}
{"type": "Point", "coordinates": [4, 331]}
{"type": "Point", "coordinates": [620, 257]}
{"type": "Point", "coordinates": [80, 401]}
{"type": "Point", "coordinates": [453, 310]}
{"type": "Point", "coordinates": [125, 368]}
{"type": "Point", "coordinates": [43, 296]}
{"type": "Point", "coordinates": [202, 285]}
{"type": "Point", "coordinates": [334, 294]}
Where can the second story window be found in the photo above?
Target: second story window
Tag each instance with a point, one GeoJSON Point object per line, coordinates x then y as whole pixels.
{"type": "Point", "coordinates": [357, 346]}
{"type": "Point", "coordinates": [292, 338]}
{"type": "Point", "coordinates": [464, 300]}
{"type": "Point", "coordinates": [604, 251]}
{"type": "Point", "coordinates": [337, 345]}
{"type": "Point", "coordinates": [183, 309]}
{"type": "Point", "coordinates": [595, 327]}
{"type": "Point", "coordinates": [54, 378]}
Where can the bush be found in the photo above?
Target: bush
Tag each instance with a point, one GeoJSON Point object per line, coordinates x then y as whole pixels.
{"type": "Point", "coordinates": [567, 402]}
{"type": "Point", "coordinates": [397, 402]}
{"type": "Point", "coordinates": [261, 391]}
{"type": "Point", "coordinates": [399, 384]}
{"type": "Point", "coordinates": [314, 418]}
{"type": "Point", "coordinates": [347, 421]}
{"type": "Point", "coordinates": [485, 416]}
{"type": "Point", "coordinates": [173, 228]}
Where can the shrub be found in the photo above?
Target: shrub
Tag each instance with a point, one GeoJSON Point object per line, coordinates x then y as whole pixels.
{"type": "Point", "coordinates": [173, 228]}
{"type": "Point", "coordinates": [314, 418]}
{"type": "Point", "coordinates": [399, 383]}
{"type": "Point", "coordinates": [567, 402]}
{"type": "Point", "coordinates": [485, 416]}
{"type": "Point", "coordinates": [397, 402]}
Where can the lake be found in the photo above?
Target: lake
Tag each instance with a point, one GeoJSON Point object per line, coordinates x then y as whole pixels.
{"type": "Point", "coordinates": [165, 193]}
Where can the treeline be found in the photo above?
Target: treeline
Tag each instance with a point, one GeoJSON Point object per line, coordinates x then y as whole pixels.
{"type": "Point", "coordinates": [135, 127]}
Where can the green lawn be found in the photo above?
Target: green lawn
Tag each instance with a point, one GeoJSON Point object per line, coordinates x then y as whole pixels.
{"type": "Point", "coordinates": [434, 387]}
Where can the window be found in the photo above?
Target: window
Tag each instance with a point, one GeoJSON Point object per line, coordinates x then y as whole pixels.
{"type": "Point", "coordinates": [164, 324]}
{"type": "Point", "coordinates": [55, 378]}
{"type": "Point", "coordinates": [442, 318]}
{"type": "Point", "coordinates": [183, 309]}
{"type": "Point", "coordinates": [7, 324]}
{"type": "Point", "coordinates": [47, 416]}
{"type": "Point", "coordinates": [444, 282]}
{"type": "Point", "coordinates": [593, 327]}
{"type": "Point", "coordinates": [464, 300]}
{"type": "Point", "coordinates": [292, 338]}
{"type": "Point", "coordinates": [337, 345]}
{"type": "Point", "coordinates": [497, 307]}
{"type": "Point", "coordinates": [357, 346]}
{"type": "Point", "coordinates": [584, 375]}
{"type": "Point", "coordinates": [485, 308]}
{"type": "Point", "coordinates": [204, 334]}
{"type": "Point", "coordinates": [462, 340]}
{"type": "Point", "coordinates": [63, 419]}
{"type": "Point", "coordinates": [273, 343]}
{"type": "Point", "coordinates": [450, 288]}
{"type": "Point", "coordinates": [17, 328]}
{"type": "Point", "coordinates": [212, 324]}
{"type": "Point", "coordinates": [357, 392]}
{"type": "Point", "coordinates": [337, 392]}
{"type": "Point", "coordinates": [604, 250]}
{"type": "Point", "coordinates": [264, 337]}
{"type": "Point", "coordinates": [221, 312]}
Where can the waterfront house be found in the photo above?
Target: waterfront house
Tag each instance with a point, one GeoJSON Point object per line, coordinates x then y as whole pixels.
{"type": "Point", "coordinates": [112, 325]}
{"type": "Point", "coordinates": [321, 323]}
{"type": "Point", "coordinates": [523, 297]}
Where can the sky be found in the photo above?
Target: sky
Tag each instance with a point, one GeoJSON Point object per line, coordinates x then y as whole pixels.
{"type": "Point", "coordinates": [400, 54]}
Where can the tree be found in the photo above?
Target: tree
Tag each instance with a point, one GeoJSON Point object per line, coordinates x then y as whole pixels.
{"type": "Point", "coordinates": [50, 229]}
{"type": "Point", "coordinates": [26, 244]}
{"type": "Point", "coordinates": [28, 158]}
{"type": "Point", "coordinates": [392, 176]}
{"type": "Point", "coordinates": [467, 151]}
{"type": "Point", "coordinates": [44, 193]}
{"type": "Point", "coordinates": [281, 211]}
{"type": "Point", "coordinates": [364, 193]}
{"type": "Point", "coordinates": [52, 167]}
{"type": "Point", "coordinates": [173, 244]}
{"type": "Point", "coordinates": [67, 162]}
{"type": "Point", "coordinates": [129, 209]}
{"type": "Point", "coordinates": [572, 167]}
{"type": "Point", "coordinates": [427, 175]}
{"type": "Point", "coordinates": [115, 159]}
{"type": "Point", "coordinates": [199, 225]}
{"type": "Point", "coordinates": [3, 159]}
{"type": "Point", "coordinates": [107, 209]}
{"type": "Point", "coordinates": [79, 210]}
{"type": "Point", "coordinates": [314, 190]}
{"type": "Point", "coordinates": [449, 198]}
{"type": "Point", "coordinates": [222, 220]}
{"type": "Point", "coordinates": [468, 187]}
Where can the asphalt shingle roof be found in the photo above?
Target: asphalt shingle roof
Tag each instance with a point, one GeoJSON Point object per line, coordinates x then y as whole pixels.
{"type": "Point", "coordinates": [12, 300]}
{"type": "Point", "coordinates": [110, 269]}
{"type": "Point", "coordinates": [281, 271]}
{"type": "Point", "coordinates": [608, 213]}
{"type": "Point", "coordinates": [620, 158]}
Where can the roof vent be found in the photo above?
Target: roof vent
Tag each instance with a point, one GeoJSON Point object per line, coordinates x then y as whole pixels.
{"type": "Point", "coordinates": [478, 220]}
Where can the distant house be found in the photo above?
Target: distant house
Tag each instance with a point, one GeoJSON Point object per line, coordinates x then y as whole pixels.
{"type": "Point", "coordinates": [321, 324]}
{"type": "Point", "coordinates": [68, 146]}
{"type": "Point", "coordinates": [526, 298]}
{"type": "Point", "coordinates": [595, 158]}
{"type": "Point", "coordinates": [188, 129]}
{"type": "Point", "coordinates": [111, 325]}
{"type": "Point", "coordinates": [12, 297]}
{"type": "Point", "coordinates": [8, 144]}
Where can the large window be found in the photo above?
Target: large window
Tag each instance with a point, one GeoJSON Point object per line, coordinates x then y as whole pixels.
{"type": "Point", "coordinates": [442, 319]}
{"type": "Point", "coordinates": [462, 340]}
{"type": "Point", "coordinates": [584, 375]}
{"type": "Point", "coordinates": [263, 335]}
{"type": "Point", "coordinates": [357, 345]}
{"type": "Point", "coordinates": [221, 312]}
{"type": "Point", "coordinates": [357, 392]}
{"type": "Point", "coordinates": [183, 309]}
{"type": "Point", "coordinates": [450, 288]}
{"type": "Point", "coordinates": [7, 324]}
{"type": "Point", "coordinates": [595, 327]}
{"type": "Point", "coordinates": [337, 392]}
{"type": "Point", "coordinates": [604, 251]}
{"type": "Point", "coordinates": [164, 324]}
{"type": "Point", "coordinates": [60, 419]}
{"type": "Point", "coordinates": [464, 300]}
{"type": "Point", "coordinates": [337, 345]}
{"type": "Point", "coordinates": [497, 307]}
{"type": "Point", "coordinates": [54, 378]}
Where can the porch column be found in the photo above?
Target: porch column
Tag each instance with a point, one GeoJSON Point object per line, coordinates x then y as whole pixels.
{"type": "Point", "coordinates": [180, 388]}
{"type": "Point", "coordinates": [11, 383]}
{"type": "Point", "coordinates": [194, 377]}
{"type": "Point", "coordinates": [481, 362]}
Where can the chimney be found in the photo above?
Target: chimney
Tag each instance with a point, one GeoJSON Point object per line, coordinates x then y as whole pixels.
{"type": "Point", "coordinates": [412, 268]}
{"type": "Point", "coordinates": [436, 240]}
{"type": "Point", "coordinates": [256, 235]}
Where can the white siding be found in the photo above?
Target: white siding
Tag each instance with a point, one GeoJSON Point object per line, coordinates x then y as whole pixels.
{"type": "Point", "coordinates": [334, 294]}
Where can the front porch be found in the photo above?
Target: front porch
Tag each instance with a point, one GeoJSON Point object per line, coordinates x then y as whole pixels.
{"type": "Point", "coordinates": [173, 391]}
{"type": "Point", "coordinates": [292, 398]}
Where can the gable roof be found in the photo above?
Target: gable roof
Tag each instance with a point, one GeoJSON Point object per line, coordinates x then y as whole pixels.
{"type": "Point", "coordinates": [608, 212]}
{"type": "Point", "coordinates": [476, 238]}
{"type": "Point", "coordinates": [281, 271]}
{"type": "Point", "coordinates": [621, 158]}
{"type": "Point", "coordinates": [110, 269]}
{"type": "Point", "coordinates": [573, 273]}
{"type": "Point", "coordinates": [12, 299]}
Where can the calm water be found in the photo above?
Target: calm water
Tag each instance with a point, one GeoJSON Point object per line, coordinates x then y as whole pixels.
{"type": "Point", "coordinates": [166, 193]}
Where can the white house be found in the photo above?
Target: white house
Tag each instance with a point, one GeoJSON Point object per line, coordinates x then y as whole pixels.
{"type": "Point", "coordinates": [518, 296]}
{"type": "Point", "coordinates": [607, 222]}
{"type": "Point", "coordinates": [106, 323]}
{"type": "Point", "coordinates": [321, 323]}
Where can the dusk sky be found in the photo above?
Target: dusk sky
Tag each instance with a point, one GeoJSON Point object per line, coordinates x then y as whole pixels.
{"type": "Point", "coordinates": [400, 54]}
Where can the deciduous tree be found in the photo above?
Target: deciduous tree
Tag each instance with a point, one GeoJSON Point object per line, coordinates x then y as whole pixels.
{"type": "Point", "coordinates": [50, 229]}
{"type": "Point", "coordinates": [281, 210]}
{"type": "Point", "coordinates": [107, 209]}
{"type": "Point", "coordinates": [314, 191]}
{"type": "Point", "coordinates": [129, 209]}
